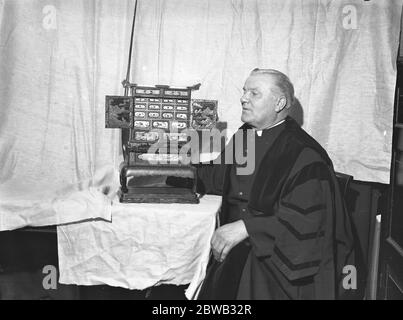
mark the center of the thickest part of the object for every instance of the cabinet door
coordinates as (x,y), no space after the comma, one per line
(391,255)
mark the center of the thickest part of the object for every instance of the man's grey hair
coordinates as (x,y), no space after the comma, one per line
(282,82)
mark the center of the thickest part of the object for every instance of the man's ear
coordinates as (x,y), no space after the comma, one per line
(281,103)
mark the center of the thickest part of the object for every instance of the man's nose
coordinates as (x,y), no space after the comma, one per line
(244,98)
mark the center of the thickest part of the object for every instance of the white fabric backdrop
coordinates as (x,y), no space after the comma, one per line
(60,58)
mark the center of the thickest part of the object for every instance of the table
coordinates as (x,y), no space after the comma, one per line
(145,245)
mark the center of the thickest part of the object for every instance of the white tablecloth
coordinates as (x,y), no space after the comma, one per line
(145,245)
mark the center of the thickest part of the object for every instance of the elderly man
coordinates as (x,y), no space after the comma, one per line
(284,233)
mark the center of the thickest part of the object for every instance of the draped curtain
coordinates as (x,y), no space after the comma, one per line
(59,59)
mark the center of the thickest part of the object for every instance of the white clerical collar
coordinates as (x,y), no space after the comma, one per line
(259,132)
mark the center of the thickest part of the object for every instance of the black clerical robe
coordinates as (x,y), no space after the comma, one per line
(299,232)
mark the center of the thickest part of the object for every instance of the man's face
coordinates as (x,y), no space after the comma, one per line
(259,101)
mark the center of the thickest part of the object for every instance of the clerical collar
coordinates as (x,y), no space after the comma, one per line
(259,132)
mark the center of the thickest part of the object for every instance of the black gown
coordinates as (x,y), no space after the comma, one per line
(300,235)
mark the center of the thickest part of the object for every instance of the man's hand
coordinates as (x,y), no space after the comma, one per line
(226,237)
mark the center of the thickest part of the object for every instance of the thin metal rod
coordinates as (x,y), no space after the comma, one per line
(131,49)
(125,133)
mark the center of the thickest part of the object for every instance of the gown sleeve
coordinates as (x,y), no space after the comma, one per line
(210,176)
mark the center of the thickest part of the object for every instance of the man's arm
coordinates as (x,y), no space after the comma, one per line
(210,178)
